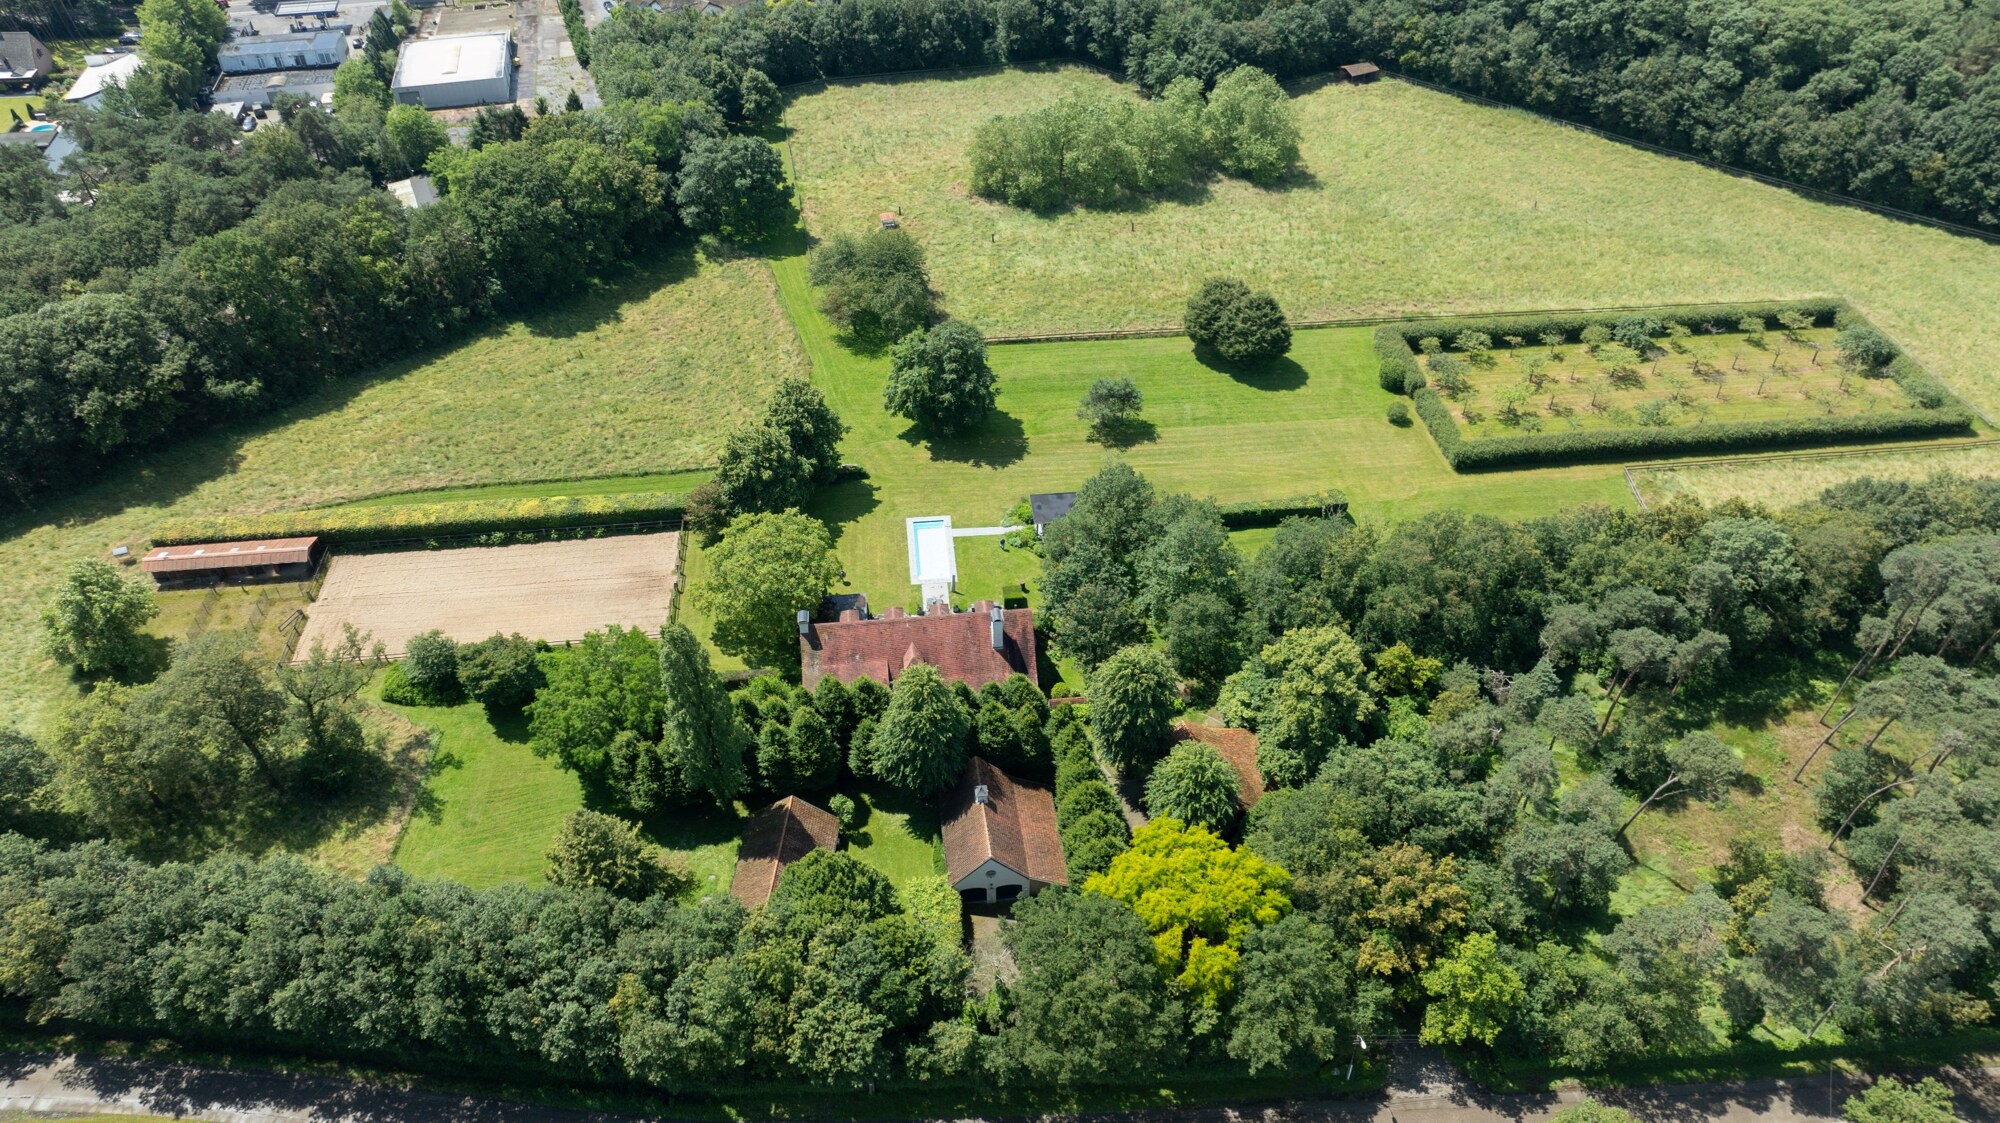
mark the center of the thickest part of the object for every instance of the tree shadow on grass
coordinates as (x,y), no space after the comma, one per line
(1125,434)
(1277,374)
(998,442)
(510,726)
(843,504)
(603,301)
(691,827)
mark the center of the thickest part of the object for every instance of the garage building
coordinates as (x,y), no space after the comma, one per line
(455,70)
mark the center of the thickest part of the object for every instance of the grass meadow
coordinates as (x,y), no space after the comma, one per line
(640,375)
(1781,480)
(1410,201)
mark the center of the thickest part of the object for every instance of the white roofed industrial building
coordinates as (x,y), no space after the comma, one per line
(304,50)
(455,70)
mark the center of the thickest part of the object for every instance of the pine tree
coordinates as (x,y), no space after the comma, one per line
(700,729)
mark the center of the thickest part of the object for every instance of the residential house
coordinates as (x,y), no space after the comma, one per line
(1000,837)
(986,644)
(24,62)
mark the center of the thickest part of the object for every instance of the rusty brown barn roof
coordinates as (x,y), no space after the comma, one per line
(776,837)
(1357,71)
(1015,826)
(959,644)
(1239,748)
(228,555)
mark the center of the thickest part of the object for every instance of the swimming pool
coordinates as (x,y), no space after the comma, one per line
(932,558)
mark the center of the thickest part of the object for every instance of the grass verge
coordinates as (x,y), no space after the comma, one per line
(1782,480)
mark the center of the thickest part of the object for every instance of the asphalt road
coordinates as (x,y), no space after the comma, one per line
(1423,1089)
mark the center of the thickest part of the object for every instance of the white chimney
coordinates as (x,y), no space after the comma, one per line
(981,795)
(999,628)
(805,622)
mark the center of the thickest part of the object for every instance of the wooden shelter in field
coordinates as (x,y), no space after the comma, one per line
(206,563)
(1360,72)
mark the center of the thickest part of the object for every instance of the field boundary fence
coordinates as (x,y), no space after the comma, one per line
(1161,332)
(505,537)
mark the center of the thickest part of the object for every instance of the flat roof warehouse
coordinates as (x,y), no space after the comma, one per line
(456,70)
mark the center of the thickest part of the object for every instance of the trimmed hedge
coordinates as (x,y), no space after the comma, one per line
(1244,516)
(1940,412)
(351,525)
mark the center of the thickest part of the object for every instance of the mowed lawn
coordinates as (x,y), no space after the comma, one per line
(490,807)
(1308,423)
(1411,201)
(645,374)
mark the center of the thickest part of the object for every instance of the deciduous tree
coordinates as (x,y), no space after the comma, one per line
(767,569)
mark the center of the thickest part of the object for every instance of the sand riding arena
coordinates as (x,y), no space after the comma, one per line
(553,591)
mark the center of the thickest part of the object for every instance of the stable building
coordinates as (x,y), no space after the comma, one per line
(775,838)
(986,644)
(207,563)
(1000,837)
(1237,748)
(455,70)
(309,50)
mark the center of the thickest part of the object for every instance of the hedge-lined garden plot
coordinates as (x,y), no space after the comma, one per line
(1511,391)
(1729,376)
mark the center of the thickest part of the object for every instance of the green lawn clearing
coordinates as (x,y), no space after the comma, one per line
(1782,480)
(1312,421)
(14,110)
(1720,377)
(896,835)
(647,373)
(1410,201)
(490,807)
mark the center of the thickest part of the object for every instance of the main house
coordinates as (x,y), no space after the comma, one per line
(1000,837)
(986,644)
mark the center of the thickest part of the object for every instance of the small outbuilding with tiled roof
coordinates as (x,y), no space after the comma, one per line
(986,644)
(775,838)
(1237,747)
(1000,837)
